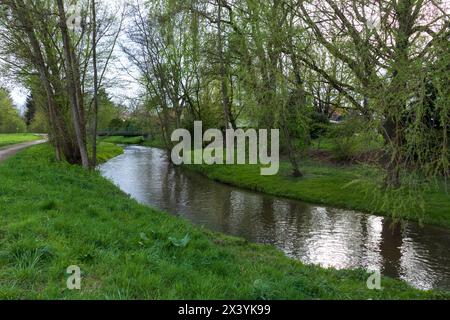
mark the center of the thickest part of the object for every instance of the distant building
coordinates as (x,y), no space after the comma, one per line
(337,117)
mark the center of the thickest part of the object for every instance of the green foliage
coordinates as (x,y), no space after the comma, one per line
(352,138)
(108,112)
(319,125)
(115,124)
(10,120)
(30,110)
(155,142)
(344,146)
(119,125)
(123,252)
(39,123)
(123,140)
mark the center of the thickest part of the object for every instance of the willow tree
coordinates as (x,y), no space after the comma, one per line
(269,71)
(388,49)
(162,48)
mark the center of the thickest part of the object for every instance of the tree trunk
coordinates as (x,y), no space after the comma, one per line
(228,116)
(94,57)
(58,130)
(72,89)
(397,101)
(296,173)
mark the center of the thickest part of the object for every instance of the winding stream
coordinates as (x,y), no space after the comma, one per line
(313,234)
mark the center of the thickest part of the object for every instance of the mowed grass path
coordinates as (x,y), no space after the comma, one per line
(55,215)
(16,138)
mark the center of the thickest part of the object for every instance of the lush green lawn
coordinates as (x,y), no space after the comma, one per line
(15,138)
(329,184)
(55,215)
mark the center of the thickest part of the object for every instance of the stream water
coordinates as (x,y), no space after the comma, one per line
(313,234)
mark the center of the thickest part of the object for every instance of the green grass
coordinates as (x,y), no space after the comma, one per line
(324,144)
(123,140)
(15,138)
(155,142)
(107,151)
(355,145)
(55,215)
(329,184)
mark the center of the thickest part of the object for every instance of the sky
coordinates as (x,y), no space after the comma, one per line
(18,94)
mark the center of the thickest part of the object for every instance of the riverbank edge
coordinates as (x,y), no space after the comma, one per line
(362,204)
(244,270)
(436,213)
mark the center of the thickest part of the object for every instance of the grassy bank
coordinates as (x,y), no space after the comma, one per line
(156,143)
(15,138)
(55,215)
(107,151)
(329,184)
(122,140)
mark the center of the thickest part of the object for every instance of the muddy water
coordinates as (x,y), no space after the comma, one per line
(313,234)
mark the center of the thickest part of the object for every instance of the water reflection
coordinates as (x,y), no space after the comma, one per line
(315,235)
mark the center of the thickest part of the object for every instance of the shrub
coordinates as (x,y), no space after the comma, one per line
(352,138)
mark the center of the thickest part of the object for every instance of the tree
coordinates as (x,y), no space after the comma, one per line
(10,120)
(36,55)
(73,85)
(30,110)
(54,62)
(387,48)
(95,98)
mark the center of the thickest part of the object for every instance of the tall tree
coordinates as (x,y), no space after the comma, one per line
(95,98)
(10,120)
(30,110)
(386,47)
(73,85)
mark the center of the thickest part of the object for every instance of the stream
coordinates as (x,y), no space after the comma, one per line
(320,235)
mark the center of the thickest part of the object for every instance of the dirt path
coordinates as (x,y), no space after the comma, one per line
(9,151)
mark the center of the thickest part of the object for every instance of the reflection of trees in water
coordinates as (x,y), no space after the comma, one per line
(390,248)
(330,237)
(246,214)
(420,259)
(166,183)
(285,224)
